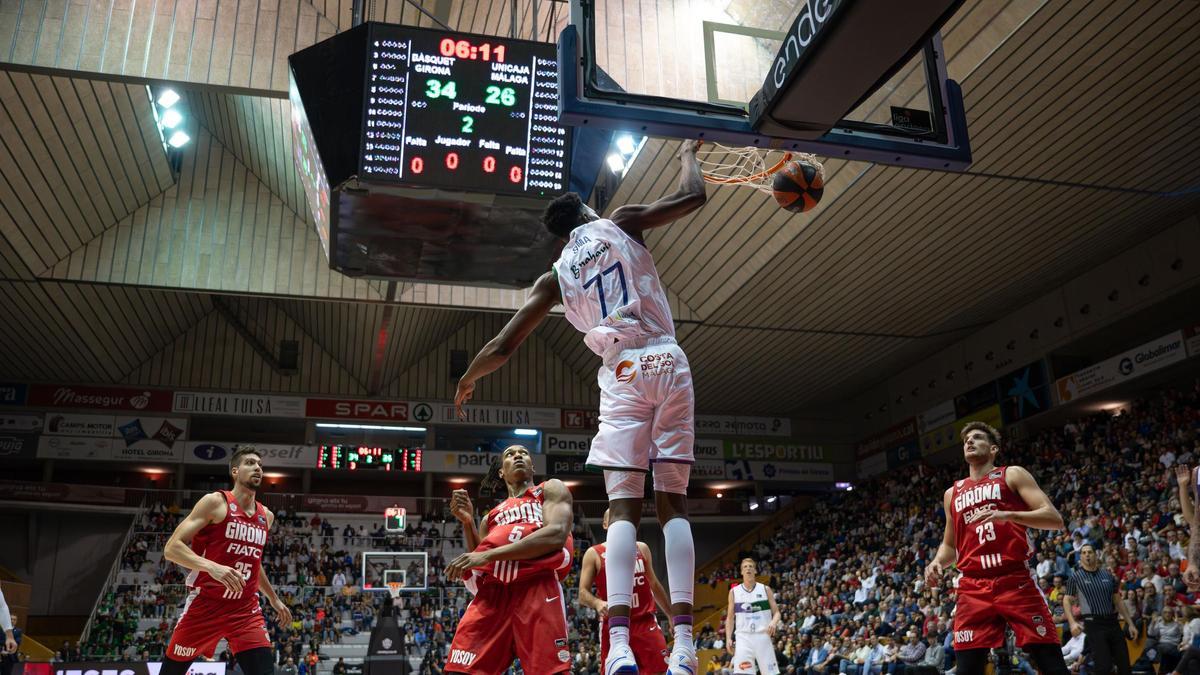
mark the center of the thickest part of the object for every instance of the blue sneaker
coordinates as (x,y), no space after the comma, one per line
(683,662)
(620,661)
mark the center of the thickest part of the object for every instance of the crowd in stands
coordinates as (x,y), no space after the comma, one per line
(848,575)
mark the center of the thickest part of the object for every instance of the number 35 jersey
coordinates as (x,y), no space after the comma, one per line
(237,542)
(994,548)
(610,287)
(512,520)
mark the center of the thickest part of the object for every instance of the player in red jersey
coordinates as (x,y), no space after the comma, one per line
(988,515)
(645,637)
(221,541)
(521,551)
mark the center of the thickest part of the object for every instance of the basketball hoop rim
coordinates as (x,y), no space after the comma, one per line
(752,178)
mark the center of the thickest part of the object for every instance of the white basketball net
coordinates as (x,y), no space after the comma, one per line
(745,167)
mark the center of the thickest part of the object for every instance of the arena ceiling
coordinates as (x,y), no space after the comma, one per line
(112,270)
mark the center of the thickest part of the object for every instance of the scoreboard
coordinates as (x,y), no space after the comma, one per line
(463,112)
(363,457)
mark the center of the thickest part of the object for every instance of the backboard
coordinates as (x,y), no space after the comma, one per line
(863,79)
(410,569)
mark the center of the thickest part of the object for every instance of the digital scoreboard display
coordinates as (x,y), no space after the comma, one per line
(463,112)
(364,457)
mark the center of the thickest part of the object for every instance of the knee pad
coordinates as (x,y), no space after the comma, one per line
(625,484)
(672,477)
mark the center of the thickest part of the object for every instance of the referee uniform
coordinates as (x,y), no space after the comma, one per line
(1093,591)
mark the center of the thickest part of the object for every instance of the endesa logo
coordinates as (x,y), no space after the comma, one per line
(625,372)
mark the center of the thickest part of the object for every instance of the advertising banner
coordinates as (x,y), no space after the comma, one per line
(274,455)
(894,436)
(939,415)
(17,446)
(12,393)
(778,451)
(98,398)
(60,492)
(580,419)
(567,444)
(1191,337)
(500,416)
(354,409)
(21,423)
(240,405)
(708,468)
(778,471)
(130,668)
(708,448)
(1024,392)
(469,462)
(1129,364)
(67,447)
(729,425)
(946,436)
(355,503)
(566,465)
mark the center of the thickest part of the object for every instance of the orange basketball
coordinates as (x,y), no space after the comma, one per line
(798,186)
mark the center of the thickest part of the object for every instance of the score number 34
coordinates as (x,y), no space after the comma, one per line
(506,96)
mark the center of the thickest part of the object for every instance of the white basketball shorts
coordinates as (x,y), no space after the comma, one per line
(754,653)
(646,407)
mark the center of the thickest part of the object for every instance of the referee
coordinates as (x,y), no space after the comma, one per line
(1099,604)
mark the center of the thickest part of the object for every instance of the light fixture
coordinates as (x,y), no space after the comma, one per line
(720,495)
(171,118)
(525,432)
(753,505)
(626,144)
(371,427)
(178,139)
(168,98)
(771,499)
(274,474)
(616,163)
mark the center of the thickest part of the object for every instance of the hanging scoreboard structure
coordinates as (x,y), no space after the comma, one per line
(429,155)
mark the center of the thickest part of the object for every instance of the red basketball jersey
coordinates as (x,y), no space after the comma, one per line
(643,598)
(237,542)
(993,548)
(512,520)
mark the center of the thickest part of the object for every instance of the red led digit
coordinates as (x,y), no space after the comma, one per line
(452,161)
(462,49)
(489,164)
(447,47)
(417,165)
(514,174)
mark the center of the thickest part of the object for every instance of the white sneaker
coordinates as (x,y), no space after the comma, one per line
(620,661)
(683,662)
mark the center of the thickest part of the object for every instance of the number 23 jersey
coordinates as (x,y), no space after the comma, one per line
(610,287)
(512,520)
(994,548)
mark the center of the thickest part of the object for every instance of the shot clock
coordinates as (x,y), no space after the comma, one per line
(463,112)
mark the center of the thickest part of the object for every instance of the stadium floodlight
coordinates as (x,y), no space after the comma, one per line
(168,98)
(171,118)
(178,139)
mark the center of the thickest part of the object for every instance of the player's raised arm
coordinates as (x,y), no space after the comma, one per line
(656,588)
(587,575)
(689,197)
(462,509)
(1041,514)
(179,551)
(544,296)
(946,552)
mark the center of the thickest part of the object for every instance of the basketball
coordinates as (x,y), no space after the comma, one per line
(799,185)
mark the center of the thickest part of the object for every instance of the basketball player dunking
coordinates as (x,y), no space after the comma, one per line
(988,515)
(517,559)
(221,541)
(645,637)
(607,280)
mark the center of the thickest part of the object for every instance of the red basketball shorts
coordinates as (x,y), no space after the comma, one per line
(647,642)
(986,605)
(524,619)
(206,620)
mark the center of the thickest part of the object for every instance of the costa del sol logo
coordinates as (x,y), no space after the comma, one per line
(626,371)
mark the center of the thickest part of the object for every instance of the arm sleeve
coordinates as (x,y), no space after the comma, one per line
(5,617)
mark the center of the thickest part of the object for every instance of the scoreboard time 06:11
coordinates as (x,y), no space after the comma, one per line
(463,112)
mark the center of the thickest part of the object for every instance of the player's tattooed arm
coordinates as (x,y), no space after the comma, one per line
(210,509)
(1041,514)
(544,295)
(947,551)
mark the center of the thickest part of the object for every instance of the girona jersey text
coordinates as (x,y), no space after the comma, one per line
(993,548)
(643,597)
(512,520)
(237,542)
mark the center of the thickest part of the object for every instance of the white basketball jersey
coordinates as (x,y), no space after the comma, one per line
(610,287)
(752,609)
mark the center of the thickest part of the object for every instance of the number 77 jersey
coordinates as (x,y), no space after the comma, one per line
(610,287)
(992,548)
